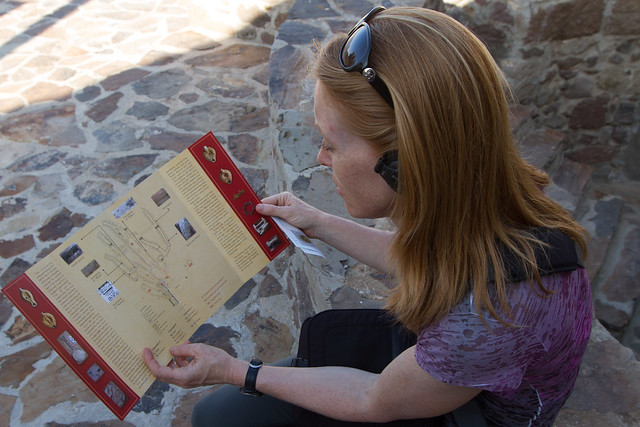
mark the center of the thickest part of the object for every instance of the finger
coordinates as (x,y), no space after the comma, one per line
(280,199)
(150,361)
(267,210)
(184,350)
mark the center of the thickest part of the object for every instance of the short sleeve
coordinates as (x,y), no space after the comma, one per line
(461,350)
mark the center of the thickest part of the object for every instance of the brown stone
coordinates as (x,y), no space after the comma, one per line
(273,340)
(251,119)
(593,154)
(60,225)
(6,406)
(270,286)
(245,147)
(44,91)
(116,81)
(236,55)
(161,139)
(21,330)
(624,19)
(16,185)
(11,207)
(103,108)
(589,114)
(53,385)
(11,248)
(18,366)
(563,21)
(52,125)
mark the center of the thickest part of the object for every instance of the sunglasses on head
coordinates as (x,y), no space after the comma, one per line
(354,54)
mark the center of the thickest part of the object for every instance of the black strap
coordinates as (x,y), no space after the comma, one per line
(560,256)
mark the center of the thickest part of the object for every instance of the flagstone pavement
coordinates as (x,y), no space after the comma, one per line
(97,94)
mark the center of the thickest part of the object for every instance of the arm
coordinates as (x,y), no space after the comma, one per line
(402,391)
(366,244)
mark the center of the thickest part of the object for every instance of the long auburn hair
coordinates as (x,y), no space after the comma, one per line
(464,189)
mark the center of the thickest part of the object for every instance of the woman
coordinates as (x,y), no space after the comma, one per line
(415,126)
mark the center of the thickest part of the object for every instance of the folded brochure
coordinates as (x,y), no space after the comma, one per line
(148,271)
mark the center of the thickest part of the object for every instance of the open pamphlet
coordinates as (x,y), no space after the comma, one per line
(148,271)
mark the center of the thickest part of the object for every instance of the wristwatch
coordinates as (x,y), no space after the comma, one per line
(250,380)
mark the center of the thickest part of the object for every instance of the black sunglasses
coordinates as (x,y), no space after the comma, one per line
(354,54)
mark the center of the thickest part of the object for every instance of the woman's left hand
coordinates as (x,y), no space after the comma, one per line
(193,365)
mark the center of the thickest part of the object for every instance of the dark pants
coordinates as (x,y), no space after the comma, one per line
(226,406)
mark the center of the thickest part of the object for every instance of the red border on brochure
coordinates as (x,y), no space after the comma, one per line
(34,314)
(240,196)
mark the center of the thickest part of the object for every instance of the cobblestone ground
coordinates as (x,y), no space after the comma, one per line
(96,94)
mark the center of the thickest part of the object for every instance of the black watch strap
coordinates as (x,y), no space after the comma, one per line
(250,380)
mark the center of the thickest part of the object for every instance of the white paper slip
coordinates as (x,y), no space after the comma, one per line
(298,238)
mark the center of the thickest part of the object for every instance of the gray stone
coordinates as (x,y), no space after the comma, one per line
(609,366)
(37,162)
(116,136)
(298,33)
(257,179)
(632,158)
(286,73)
(94,193)
(581,88)
(123,168)
(241,295)
(626,113)
(622,285)
(148,110)
(116,81)
(162,85)
(220,337)
(12,206)
(49,185)
(306,9)
(88,93)
(152,399)
(299,140)
(15,269)
(226,87)
(235,56)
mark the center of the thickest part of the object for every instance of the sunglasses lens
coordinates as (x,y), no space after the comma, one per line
(355,52)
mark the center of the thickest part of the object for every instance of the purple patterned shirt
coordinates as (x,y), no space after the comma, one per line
(527,372)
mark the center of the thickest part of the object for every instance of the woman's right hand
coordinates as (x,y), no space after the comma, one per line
(293,210)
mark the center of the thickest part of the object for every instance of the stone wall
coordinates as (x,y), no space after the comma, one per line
(575,70)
